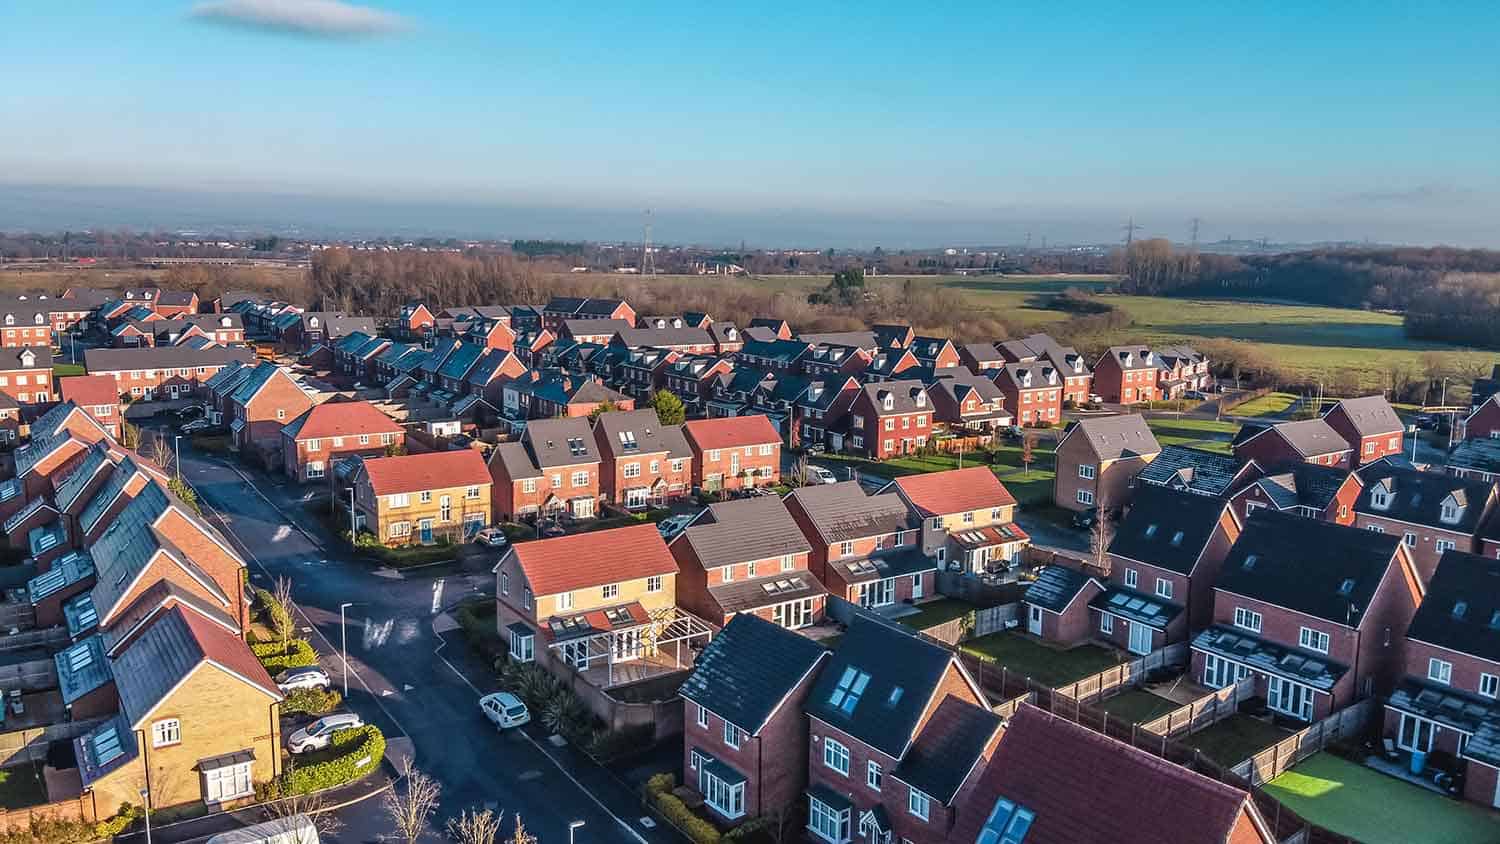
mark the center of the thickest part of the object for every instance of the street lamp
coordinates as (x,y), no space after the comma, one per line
(353,529)
(146,801)
(344,645)
(572,825)
(177,454)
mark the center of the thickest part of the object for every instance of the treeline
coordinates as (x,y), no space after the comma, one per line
(535,248)
(1461,308)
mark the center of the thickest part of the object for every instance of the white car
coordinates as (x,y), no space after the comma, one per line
(820,475)
(196,425)
(493,537)
(504,710)
(311,677)
(673,525)
(318,734)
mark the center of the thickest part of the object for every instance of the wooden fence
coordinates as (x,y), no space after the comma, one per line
(1275,760)
(1203,712)
(18,821)
(1112,681)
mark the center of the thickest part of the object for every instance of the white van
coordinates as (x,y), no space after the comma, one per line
(297,829)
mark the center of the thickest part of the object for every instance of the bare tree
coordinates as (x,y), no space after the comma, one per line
(1102,534)
(282,596)
(287,811)
(1028,447)
(521,836)
(161,453)
(474,826)
(411,809)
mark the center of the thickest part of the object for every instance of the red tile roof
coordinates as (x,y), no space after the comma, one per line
(431,470)
(955,491)
(729,432)
(228,650)
(594,559)
(1084,786)
(343,419)
(89,390)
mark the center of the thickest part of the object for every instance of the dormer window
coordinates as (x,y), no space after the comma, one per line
(1380,498)
(1450,515)
(921,399)
(10,319)
(888,403)
(37,319)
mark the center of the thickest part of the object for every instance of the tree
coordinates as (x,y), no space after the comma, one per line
(130,436)
(1102,533)
(606,406)
(669,408)
(161,453)
(410,810)
(1028,447)
(475,826)
(189,496)
(521,836)
(281,594)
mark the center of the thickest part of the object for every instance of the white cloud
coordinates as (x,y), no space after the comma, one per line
(325,18)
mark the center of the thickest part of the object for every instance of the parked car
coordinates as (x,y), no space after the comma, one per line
(1095,398)
(311,677)
(1085,519)
(673,525)
(1195,395)
(820,475)
(196,426)
(192,411)
(504,710)
(551,529)
(297,829)
(318,734)
(815,448)
(1426,422)
(493,537)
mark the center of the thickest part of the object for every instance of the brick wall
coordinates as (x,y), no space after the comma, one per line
(1422,545)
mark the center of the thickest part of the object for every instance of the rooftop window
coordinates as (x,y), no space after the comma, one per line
(850,687)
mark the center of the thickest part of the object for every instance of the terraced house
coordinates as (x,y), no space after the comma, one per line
(26,374)
(171,372)
(423,498)
(1431,512)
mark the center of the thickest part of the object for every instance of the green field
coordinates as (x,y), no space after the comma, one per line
(1356,801)
(1029,484)
(1269,404)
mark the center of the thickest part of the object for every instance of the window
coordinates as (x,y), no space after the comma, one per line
(703,717)
(557,480)
(750,569)
(228,783)
(1085,471)
(1131,578)
(787,562)
(1451,512)
(338,442)
(580,479)
(1313,640)
(632,470)
(280,413)
(725,798)
(565,600)
(1163,588)
(656,467)
(611,591)
(1085,497)
(364,439)
(851,685)
(1375,528)
(504,583)
(471,492)
(918,804)
(1489,685)
(526,597)
(873,775)
(1410,539)
(677,465)
(835,756)
(528,485)
(400,499)
(522,646)
(890,424)
(1444,545)
(826,822)
(766,450)
(968,517)
(1380,498)
(846,549)
(733,736)
(653,583)
(713,455)
(399,529)
(1106,623)
(315,469)
(425,496)
(1247,619)
(166,732)
(313,445)
(1440,671)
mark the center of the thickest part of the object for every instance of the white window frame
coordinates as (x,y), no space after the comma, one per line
(1132,577)
(1313,640)
(702,717)
(1106,623)
(1086,471)
(653,584)
(1085,497)
(166,732)
(835,751)
(1489,685)
(610,591)
(228,783)
(918,804)
(564,600)
(522,646)
(1440,671)
(733,736)
(874,776)
(1163,588)
(1247,619)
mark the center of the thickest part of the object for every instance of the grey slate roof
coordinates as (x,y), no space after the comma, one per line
(163,654)
(878,682)
(1459,710)
(516,460)
(1306,667)
(1370,415)
(1461,610)
(766,591)
(1305,484)
(1476,455)
(905,560)
(81,668)
(1417,497)
(634,337)
(1191,469)
(644,430)
(904,396)
(460,360)
(1167,528)
(107,493)
(843,511)
(162,357)
(594,327)
(11,358)
(74,484)
(560,442)
(946,749)
(1116,437)
(150,602)
(129,543)
(259,375)
(1055,588)
(743,530)
(1309,437)
(746,670)
(1314,567)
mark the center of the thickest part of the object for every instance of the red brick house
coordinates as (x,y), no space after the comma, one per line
(1370,427)
(1448,699)
(1183,368)
(553,468)
(734,452)
(1315,613)
(967,517)
(170,372)
(1431,512)
(967,403)
(27,322)
(1042,786)
(1032,391)
(1077,378)
(935,352)
(821,410)
(560,308)
(1307,441)
(747,557)
(1302,489)
(897,730)
(175,303)
(691,377)
(265,401)
(745,742)
(97,396)
(778,329)
(864,547)
(1483,422)
(889,418)
(982,359)
(1198,471)
(829,360)
(327,433)
(414,322)
(1055,606)
(645,463)
(1127,375)
(26,374)
(1098,459)
(539,395)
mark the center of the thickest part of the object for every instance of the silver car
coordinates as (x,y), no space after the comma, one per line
(311,677)
(319,734)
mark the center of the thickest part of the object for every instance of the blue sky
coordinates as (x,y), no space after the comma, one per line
(980,120)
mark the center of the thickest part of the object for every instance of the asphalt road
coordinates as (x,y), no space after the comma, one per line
(402,676)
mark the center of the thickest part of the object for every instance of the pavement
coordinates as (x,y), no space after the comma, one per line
(409,679)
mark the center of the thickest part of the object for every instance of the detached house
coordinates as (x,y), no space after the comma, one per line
(1098,460)
(1127,375)
(414,322)
(1431,512)
(1033,391)
(864,547)
(1483,422)
(1307,441)
(1315,614)
(423,498)
(732,453)
(1370,427)
(1198,471)
(553,469)
(889,418)
(747,557)
(265,401)
(645,463)
(745,739)
(328,433)
(967,517)
(968,403)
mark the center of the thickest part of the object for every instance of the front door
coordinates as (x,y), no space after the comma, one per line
(1034,622)
(1140,638)
(425,526)
(916,587)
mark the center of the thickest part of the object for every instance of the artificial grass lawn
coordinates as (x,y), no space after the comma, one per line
(21,786)
(937,612)
(1138,706)
(63,370)
(1356,801)
(1235,739)
(1049,666)
(1269,404)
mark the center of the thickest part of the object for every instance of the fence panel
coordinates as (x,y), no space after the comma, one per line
(1277,759)
(1203,712)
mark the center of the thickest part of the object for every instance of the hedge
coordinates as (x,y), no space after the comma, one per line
(276,615)
(659,794)
(298,653)
(311,701)
(362,749)
(55,831)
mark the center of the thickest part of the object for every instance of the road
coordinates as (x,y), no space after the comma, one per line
(401,677)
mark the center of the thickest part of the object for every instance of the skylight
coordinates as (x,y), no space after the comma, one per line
(1347,586)
(1150,531)
(1008,823)
(1460,608)
(1177,539)
(107,745)
(895,697)
(847,693)
(1249,564)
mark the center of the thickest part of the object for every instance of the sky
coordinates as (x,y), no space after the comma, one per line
(776,123)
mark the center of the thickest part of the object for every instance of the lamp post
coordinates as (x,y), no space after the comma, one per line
(353,529)
(573,825)
(146,801)
(344,644)
(177,455)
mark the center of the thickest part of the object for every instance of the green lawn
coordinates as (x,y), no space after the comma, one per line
(62,370)
(1269,404)
(1138,706)
(1028,484)
(1207,434)
(1353,800)
(937,612)
(1049,666)
(1235,739)
(21,786)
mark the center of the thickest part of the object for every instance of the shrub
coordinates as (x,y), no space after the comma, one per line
(659,794)
(298,653)
(275,614)
(56,831)
(360,752)
(609,745)
(311,701)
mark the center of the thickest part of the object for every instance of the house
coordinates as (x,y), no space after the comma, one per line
(1041,786)
(265,401)
(1315,614)
(26,374)
(642,371)
(733,453)
(822,408)
(414,322)
(692,341)
(58,441)
(223,329)
(1164,560)
(745,741)
(886,364)
(967,403)
(1032,391)
(307,330)
(1127,375)
(169,372)
(1181,369)
(864,547)
(779,329)
(935,352)
(560,308)
(1304,489)
(26,322)
(97,396)
(486,379)
(553,468)
(1483,422)
(354,355)
(747,557)
(550,394)
(773,355)
(1483,388)
(897,728)
(597,331)
(1099,458)
(1370,427)
(726,336)
(333,431)
(10,419)
(967,517)
(981,359)
(827,360)
(436,496)
(1446,699)
(691,377)
(1198,471)
(174,303)
(1309,440)
(645,463)
(1477,458)
(1431,511)
(1077,377)
(889,418)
